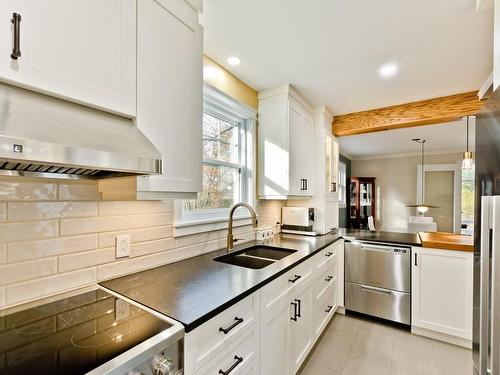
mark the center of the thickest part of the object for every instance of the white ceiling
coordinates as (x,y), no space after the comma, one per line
(331,50)
(442,138)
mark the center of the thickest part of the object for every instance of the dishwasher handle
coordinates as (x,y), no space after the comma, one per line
(375,289)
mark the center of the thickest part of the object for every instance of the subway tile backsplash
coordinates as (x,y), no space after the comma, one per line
(57,236)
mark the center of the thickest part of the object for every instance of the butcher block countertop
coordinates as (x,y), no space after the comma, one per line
(447,241)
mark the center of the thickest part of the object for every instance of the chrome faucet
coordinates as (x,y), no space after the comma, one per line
(230,239)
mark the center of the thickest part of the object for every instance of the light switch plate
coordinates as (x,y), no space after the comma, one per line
(122,246)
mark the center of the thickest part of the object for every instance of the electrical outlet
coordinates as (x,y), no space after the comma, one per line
(260,235)
(122,249)
(122,309)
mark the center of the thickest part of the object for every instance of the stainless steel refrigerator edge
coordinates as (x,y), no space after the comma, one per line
(486,336)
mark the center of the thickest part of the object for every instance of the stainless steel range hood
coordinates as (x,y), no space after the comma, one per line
(42,136)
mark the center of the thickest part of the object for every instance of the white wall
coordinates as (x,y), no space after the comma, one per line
(396,184)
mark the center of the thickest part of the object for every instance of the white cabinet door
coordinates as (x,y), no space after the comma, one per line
(275,338)
(300,149)
(169,93)
(442,282)
(286,145)
(297,182)
(301,330)
(307,152)
(81,50)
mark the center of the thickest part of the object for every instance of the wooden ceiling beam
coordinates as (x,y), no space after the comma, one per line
(424,112)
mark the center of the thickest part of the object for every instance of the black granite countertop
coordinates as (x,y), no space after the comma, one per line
(196,289)
(411,239)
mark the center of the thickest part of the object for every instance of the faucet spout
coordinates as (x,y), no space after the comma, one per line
(230,237)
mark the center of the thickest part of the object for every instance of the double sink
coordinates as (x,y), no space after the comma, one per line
(255,257)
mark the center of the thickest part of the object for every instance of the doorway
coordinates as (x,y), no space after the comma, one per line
(442,188)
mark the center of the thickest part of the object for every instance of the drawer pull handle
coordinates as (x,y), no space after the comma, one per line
(226,330)
(16,21)
(328,309)
(329,278)
(294,317)
(295,278)
(299,308)
(329,254)
(234,365)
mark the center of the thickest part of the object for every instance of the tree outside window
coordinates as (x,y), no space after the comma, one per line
(222,164)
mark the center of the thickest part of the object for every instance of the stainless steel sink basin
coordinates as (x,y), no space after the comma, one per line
(255,257)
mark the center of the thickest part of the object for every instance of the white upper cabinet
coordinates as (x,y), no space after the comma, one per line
(170,94)
(80,50)
(169,101)
(285,139)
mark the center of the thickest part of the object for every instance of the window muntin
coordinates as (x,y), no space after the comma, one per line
(224,163)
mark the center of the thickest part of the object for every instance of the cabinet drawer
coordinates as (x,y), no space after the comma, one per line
(284,284)
(325,281)
(324,310)
(326,257)
(214,336)
(241,356)
(383,303)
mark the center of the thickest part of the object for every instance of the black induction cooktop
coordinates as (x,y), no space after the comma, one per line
(73,335)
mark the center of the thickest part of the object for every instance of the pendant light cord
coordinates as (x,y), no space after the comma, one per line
(421,141)
(423,176)
(467,127)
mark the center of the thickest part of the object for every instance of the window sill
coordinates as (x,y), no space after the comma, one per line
(186,228)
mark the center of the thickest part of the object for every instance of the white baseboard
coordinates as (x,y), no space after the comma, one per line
(459,341)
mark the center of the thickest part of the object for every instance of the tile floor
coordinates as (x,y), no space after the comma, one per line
(353,346)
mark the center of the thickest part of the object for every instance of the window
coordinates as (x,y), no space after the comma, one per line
(467,222)
(224,166)
(342,184)
(228,136)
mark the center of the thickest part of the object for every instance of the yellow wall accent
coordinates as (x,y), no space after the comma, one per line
(220,78)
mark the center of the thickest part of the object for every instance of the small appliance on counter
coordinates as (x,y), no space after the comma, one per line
(90,333)
(298,220)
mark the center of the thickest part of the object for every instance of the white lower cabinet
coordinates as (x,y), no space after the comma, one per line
(275,338)
(239,358)
(301,327)
(212,337)
(272,331)
(442,283)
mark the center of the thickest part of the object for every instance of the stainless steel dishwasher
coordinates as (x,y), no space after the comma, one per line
(377,280)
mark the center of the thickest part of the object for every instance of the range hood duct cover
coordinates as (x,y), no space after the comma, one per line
(43,136)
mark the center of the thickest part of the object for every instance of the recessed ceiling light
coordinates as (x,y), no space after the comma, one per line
(388,70)
(233,60)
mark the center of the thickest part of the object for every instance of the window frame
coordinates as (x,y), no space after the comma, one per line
(218,104)
(342,169)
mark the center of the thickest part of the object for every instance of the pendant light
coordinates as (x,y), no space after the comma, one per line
(421,206)
(467,162)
